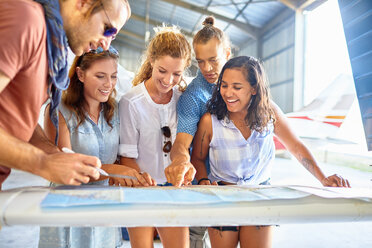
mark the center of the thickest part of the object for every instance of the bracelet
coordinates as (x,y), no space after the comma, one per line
(204,179)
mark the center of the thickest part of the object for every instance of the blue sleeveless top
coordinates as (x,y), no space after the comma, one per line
(93,139)
(98,140)
(237,160)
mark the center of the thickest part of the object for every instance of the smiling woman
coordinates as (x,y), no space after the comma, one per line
(93,78)
(237,135)
(89,124)
(148,122)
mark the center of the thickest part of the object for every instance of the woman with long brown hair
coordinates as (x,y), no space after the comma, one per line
(89,124)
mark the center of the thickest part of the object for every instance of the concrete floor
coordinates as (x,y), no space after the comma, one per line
(311,235)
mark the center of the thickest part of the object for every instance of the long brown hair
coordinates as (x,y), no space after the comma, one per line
(167,41)
(74,98)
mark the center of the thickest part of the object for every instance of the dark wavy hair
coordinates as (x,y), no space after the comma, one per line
(259,111)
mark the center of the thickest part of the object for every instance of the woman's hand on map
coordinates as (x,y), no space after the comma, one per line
(335,181)
(206,181)
(139,179)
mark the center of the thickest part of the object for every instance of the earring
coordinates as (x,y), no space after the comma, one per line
(182,85)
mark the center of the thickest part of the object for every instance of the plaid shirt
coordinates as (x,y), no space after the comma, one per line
(234,159)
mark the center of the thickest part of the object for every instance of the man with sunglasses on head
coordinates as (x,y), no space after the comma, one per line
(34,36)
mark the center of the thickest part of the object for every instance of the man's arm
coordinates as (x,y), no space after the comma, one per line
(58,167)
(40,140)
(4,81)
(180,149)
(180,171)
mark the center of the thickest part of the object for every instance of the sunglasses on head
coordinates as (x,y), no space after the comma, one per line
(110,50)
(99,50)
(110,31)
(167,133)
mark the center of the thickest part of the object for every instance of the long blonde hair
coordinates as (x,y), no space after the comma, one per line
(168,41)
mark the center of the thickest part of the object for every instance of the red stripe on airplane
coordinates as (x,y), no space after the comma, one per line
(337,124)
(278,145)
(300,117)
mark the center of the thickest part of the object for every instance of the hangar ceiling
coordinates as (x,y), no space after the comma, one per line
(242,20)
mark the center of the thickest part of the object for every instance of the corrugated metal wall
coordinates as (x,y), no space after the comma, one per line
(249,49)
(130,57)
(277,54)
(357,20)
(278,58)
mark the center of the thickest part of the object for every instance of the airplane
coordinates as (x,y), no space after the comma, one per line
(319,122)
(331,127)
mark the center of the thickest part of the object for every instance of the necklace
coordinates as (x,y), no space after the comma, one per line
(93,117)
(243,127)
(240,123)
(238,120)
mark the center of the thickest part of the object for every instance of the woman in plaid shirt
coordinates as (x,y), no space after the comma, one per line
(238,133)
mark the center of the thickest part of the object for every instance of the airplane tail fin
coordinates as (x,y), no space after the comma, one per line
(320,120)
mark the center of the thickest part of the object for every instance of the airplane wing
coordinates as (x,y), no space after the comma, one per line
(188,206)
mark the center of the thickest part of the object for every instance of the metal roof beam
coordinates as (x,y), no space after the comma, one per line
(143,19)
(289,4)
(129,41)
(302,5)
(156,23)
(249,29)
(124,32)
(312,4)
(240,12)
(306,3)
(277,20)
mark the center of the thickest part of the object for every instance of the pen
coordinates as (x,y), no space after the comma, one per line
(101,171)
